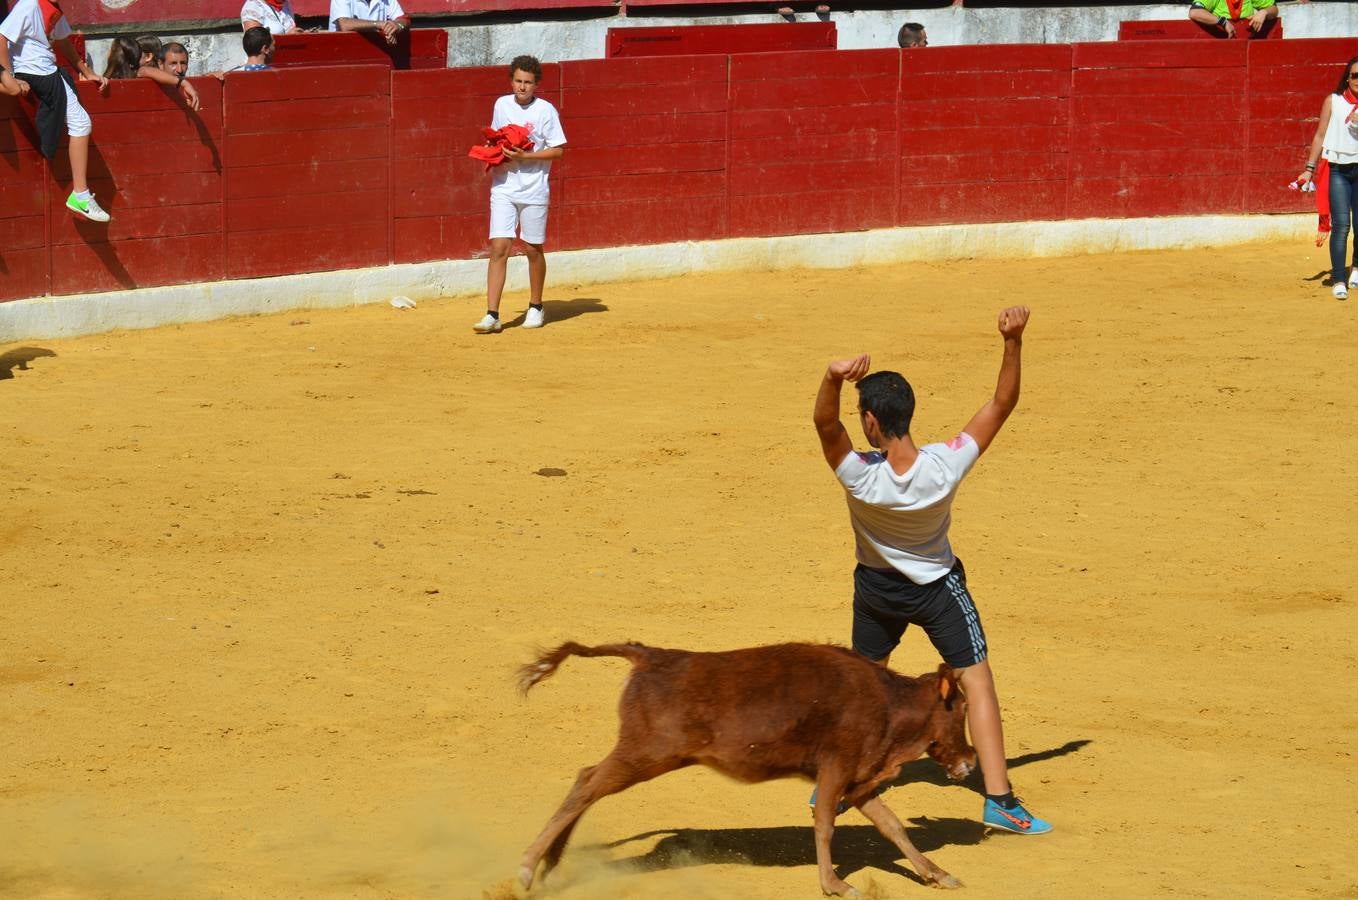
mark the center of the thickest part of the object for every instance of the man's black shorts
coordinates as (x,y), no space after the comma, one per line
(885,602)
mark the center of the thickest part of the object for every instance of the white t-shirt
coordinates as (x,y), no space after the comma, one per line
(368,10)
(261,12)
(901,521)
(525,181)
(29,48)
(1341,141)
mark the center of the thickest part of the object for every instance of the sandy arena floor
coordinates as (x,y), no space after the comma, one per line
(267,580)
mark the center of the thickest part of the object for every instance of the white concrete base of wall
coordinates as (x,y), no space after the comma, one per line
(70,316)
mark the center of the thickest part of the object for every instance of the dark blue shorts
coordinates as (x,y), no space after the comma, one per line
(885,603)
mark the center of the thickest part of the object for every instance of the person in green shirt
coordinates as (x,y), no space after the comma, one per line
(1221,12)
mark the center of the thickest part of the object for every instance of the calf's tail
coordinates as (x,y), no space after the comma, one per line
(549,660)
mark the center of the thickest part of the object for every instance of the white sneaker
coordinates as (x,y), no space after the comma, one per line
(534,317)
(488,325)
(1341,291)
(90,209)
(1353,277)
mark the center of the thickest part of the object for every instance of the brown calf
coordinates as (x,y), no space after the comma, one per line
(812,710)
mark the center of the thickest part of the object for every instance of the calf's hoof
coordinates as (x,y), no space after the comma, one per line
(843,889)
(525,877)
(944,880)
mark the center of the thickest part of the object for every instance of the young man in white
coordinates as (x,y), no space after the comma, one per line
(27,36)
(385,16)
(900,502)
(519,192)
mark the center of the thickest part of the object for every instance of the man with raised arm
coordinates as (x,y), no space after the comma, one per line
(900,500)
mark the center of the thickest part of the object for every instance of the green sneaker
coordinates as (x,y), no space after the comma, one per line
(90,208)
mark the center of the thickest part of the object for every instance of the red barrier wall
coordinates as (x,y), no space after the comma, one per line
(311,169)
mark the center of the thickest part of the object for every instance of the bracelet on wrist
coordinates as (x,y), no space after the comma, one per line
(1221,21)
(1310,167)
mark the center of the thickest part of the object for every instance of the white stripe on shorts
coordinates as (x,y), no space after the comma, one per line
(78,122)
(978,649)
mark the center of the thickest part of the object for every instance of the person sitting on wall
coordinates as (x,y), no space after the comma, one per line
(259,47)
(1219,13)
(8,85)
(385,16)
(275,15)
(28,36)
(912,36)
(125,61)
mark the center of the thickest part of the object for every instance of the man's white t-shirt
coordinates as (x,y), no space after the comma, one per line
(368,10)
(278,22)
(525,181)
(901,521)
(29,48)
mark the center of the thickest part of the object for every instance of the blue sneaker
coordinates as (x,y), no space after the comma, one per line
(839,810)
(1017,820)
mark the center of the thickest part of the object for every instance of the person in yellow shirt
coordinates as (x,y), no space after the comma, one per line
(1221,13)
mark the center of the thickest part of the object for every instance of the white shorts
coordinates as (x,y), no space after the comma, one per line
(529,220)
(78,122)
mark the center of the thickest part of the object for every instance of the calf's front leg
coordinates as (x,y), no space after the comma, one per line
(880,814)
(829,790)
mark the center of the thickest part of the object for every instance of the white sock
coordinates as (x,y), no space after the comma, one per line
(83,195)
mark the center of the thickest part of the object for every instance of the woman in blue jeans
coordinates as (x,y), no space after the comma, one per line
(1336,142)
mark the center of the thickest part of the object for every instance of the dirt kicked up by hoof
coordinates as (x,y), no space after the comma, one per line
(504,890)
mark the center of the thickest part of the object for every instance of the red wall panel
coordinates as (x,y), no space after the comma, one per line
(156,167)
(23,193)
(315,169)
(647,153)
(278,124)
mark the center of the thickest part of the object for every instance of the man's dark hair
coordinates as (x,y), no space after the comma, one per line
(255,40)
(527,64)
(889,398)
(910,34)
(174,47)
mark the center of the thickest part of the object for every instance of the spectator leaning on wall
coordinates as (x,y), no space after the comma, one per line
(27,36)
(912,36)
(385,16)
(275,15)
(1220,13)
(125,60)
(175,59)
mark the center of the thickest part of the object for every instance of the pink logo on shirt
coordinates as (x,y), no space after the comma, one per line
(958,442)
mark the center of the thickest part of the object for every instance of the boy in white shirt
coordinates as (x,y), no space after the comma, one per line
(519,192)
(900,502)
(27,36)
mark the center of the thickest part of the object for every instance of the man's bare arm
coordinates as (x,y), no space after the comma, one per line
(834,438)
(990,418)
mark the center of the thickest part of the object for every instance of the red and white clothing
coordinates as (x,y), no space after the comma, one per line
(1341,137)
(901,521)
(30,29)
(525,181)
(278,19)
(30,38)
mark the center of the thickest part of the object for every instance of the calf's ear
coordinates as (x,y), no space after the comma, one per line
(947,683)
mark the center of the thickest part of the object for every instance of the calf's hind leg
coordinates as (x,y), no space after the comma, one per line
(616,772)
(880,814)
